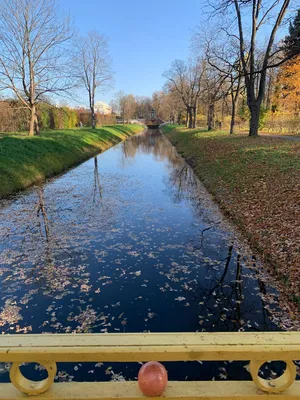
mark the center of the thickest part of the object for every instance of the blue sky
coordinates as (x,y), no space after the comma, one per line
(144,37)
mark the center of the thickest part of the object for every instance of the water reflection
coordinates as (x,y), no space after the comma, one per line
(151,142)
(183,178)
(43,222)
(97,190)
(223,301)
(129,241)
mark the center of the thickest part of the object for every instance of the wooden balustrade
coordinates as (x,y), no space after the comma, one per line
(47,350)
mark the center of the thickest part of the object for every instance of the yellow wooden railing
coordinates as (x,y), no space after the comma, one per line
(47,350)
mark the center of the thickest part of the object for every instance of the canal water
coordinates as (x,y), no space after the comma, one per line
(129,241)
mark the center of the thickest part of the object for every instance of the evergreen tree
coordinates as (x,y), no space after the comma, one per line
(292,41)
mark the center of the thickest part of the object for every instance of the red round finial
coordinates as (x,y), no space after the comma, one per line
(153,379)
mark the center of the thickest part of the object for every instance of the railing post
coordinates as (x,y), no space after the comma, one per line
(29,387)
(277,385)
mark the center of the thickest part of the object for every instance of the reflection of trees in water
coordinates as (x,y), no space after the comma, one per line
(41,211)
(44,228)
(224,301)
(183,179)
(151,142)
(223,293)
(97,189)
(50,275)
(225,289)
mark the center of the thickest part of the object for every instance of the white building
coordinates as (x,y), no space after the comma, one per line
(102,108)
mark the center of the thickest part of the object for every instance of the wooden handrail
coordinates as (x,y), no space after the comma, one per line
(47,350)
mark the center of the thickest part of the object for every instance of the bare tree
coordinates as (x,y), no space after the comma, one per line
(130,107)
(120,101)
(186,80)
(223,55)
(33,43)
(157,101)
(144,107)
(170,105)
(92,63)
(113,107)
(127,106)
(213,91)
(258,14)
(234,92)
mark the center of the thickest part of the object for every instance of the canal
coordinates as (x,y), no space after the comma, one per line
(129,241)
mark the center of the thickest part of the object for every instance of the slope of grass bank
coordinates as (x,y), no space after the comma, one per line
(257,182)
(26,160)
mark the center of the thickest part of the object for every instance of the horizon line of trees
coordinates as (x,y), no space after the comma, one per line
(15,118)
(124,108)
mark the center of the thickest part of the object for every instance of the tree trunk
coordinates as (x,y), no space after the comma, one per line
(234,102)
(254,119)
(211,117)
(195,116)
(190,112)
(232,122)
(179,118)
(93,118)
(34,124)
(187,119)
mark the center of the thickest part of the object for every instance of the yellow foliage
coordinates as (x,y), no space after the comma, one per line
(287,94)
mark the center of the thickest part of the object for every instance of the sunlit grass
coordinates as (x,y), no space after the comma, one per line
(25,160)
(217,155)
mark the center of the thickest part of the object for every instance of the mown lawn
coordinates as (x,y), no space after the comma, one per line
(26,160)
(257,183)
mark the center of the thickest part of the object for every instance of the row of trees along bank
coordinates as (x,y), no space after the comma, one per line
(42,59)
(15,118)
(237,65)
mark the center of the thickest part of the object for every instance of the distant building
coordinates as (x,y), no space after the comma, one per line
(102,108)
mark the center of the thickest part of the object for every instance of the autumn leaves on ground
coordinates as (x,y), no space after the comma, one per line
(257,183)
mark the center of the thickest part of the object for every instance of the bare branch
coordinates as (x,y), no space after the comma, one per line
(92,63)
(33,59)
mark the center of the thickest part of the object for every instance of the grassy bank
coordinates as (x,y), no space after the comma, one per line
(257,183)
(26,160)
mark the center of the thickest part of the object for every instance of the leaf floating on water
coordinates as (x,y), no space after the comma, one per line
(108,370)
(136,273)
(10,314)
(180,298)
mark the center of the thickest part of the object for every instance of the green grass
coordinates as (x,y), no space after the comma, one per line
(233,159)
(27,160)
